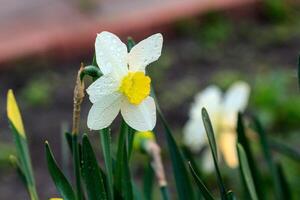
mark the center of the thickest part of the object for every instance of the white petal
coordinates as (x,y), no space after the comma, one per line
(207,161)
(103,86)
(210,98)
(111,54)
(145,52)
(227,143)
(236,97)
(104,111)
(140,117)
(194,134)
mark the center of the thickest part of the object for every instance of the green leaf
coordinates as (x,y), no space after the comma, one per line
(246,173)
(212,143)
(243,140)
(164,193)
(77,164)
(130,138)
(122,177)
(24,161)
(284,149)
(68,137)
(148,181)
(189,157)
(283,182)
(230,195)
(269,159)
(204,191)
(182,180)
(59,179)
(105,140)
(91,172)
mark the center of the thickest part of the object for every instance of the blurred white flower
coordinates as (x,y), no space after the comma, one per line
(124,86)
(223,111)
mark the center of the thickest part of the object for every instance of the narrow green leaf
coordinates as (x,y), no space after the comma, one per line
(130,138)
(283,183)
(212,143)
(284,149)
(204,191)
(269,159)
(122,177)
(91,172)
(77,164)
(230,195)
(68,137)
(105,140)
(24,161)
(137,194)
(148,181)
(183,183)
(164,193)
(182,180)
(189,156)
(59,179)
(243,140)
(245,171)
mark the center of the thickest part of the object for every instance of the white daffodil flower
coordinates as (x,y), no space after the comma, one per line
(124,86)
(223,111)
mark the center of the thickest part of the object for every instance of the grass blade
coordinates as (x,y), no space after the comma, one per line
(91,173)
(243,140)
(246,173)
(24,161)
(76,163)
(182,180)
(148,182)
(122,177)
(284,184)
(284,149)
(230,195)
(204,191)
(269,159)
(105,139)
(59,179)
(212,143)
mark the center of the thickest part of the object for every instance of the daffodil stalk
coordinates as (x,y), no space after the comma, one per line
(23,156)
(77,100)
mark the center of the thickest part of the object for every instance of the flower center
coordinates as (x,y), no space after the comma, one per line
(136,87)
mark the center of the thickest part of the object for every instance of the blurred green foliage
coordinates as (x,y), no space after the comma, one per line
(5,151)
(275,10)
(37,92)
(212,30)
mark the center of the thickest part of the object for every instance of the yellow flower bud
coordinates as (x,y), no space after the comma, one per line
(13,113)
(140,137)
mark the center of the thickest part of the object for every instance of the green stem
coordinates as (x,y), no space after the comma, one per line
(105,141)
(164,193)
(76,163)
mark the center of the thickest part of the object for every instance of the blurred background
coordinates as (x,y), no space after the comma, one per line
(42,44)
